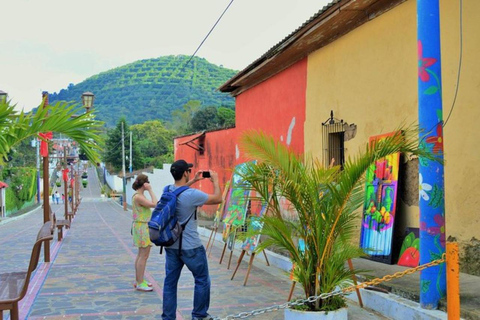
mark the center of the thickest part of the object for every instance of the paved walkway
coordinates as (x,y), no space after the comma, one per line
(91,273)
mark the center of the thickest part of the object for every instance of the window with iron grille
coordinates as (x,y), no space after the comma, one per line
(201,145)
(334,134)
(333,144)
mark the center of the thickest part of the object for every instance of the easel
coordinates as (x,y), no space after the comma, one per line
(250,263)
(253,239)
(218,216)
(354,278)
(230,239)
(235,213)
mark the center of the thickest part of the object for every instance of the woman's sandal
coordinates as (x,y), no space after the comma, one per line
(148,284)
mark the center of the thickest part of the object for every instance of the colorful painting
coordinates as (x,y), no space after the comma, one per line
(237,200)
(221,206)
(380,206)
(231,239)
(226,231)
(410,252)
(254,222)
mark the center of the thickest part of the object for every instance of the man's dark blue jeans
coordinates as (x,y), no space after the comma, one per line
(196,262)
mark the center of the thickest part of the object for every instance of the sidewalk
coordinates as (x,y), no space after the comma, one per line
(91,273)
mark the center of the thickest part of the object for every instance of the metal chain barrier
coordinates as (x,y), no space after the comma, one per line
(344,291)
(396,275)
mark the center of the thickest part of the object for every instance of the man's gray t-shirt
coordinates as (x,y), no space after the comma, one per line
(187,203)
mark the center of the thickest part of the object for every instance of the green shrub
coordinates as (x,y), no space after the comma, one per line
(22,186)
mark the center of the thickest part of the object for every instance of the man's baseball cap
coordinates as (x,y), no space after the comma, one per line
(180,166)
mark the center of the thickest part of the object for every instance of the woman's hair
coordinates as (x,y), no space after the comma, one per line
(139,182)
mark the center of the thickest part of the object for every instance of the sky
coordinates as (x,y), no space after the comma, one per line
(46,45)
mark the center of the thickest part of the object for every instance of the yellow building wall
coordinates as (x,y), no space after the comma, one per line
(369,77)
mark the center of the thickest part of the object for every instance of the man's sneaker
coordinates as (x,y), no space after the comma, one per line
(143,286)
(208,317)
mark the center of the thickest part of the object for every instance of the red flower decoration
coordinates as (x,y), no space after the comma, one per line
(436,140)
(423,64)
(44,145)
(65,174)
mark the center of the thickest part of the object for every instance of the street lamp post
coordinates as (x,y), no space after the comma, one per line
(65,181)
(3,96)
(123,172)
(46,198)
(87,100)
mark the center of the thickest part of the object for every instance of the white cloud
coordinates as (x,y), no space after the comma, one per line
(45,45)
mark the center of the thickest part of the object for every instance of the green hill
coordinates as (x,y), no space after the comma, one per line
(151,89)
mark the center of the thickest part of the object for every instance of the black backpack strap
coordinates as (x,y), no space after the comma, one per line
(183,225)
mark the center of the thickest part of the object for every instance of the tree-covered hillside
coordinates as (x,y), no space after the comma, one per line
(151,89)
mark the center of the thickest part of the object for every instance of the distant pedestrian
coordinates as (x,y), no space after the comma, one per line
(63,198)
(141,238)
(53,197)
(57,197)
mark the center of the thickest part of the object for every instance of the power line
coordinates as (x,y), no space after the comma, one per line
(218,20)
(198,48)
(459,65)
(458,76)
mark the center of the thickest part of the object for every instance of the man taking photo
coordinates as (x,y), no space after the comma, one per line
(192,254)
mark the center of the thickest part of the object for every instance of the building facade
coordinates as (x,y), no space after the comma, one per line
(356,62)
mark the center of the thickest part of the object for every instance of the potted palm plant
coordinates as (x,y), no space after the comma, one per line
(320,236)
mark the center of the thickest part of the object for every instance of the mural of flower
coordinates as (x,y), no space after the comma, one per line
(437,140)
(423,188)
(424,63)
(439,229)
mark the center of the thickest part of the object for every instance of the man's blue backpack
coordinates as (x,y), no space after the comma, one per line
(164,227)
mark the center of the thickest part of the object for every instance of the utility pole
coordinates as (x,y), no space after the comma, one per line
(130,151)
(38,168)
(65,180)
(123,171)
(46,196)
(430,121)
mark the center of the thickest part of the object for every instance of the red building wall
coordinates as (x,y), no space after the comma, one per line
(219,155)
(275,106)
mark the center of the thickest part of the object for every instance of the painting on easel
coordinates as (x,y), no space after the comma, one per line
(218,217)
(254,223)
(256,211)
(379,208)
(235,209)
(237,199)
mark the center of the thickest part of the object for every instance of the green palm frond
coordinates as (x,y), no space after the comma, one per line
(326,201)
(61,118)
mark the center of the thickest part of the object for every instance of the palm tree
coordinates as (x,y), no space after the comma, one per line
(326,202)
(61,117)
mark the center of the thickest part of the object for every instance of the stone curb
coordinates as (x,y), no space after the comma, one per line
(21,216)
(389,305)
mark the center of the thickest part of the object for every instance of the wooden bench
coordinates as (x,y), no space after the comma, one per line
(70,216)
(60,224)
(14,285)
